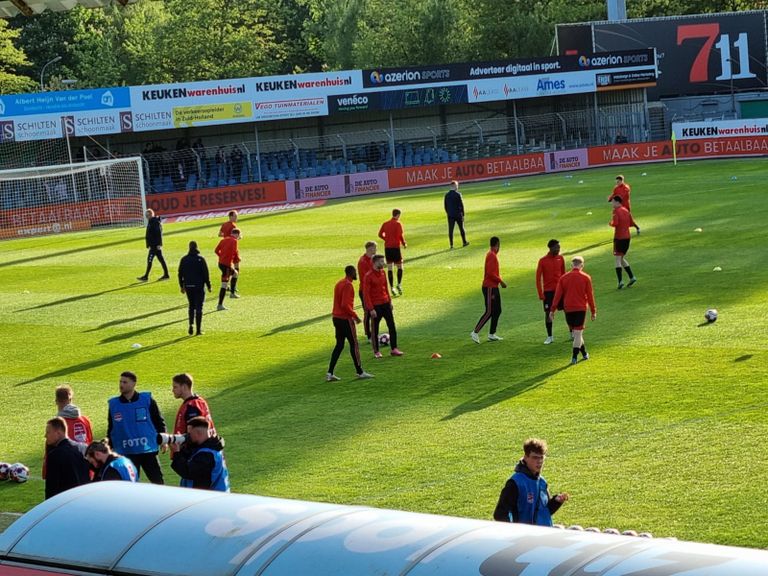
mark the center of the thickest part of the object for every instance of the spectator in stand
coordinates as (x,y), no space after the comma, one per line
(220,166)
(621,138)
(202,159)
(236,164)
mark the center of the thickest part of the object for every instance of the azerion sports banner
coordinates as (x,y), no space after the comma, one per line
(340,186)
(210,199)
(689,149)
(720,128)
(484,169)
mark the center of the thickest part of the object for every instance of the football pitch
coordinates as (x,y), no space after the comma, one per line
(662,430)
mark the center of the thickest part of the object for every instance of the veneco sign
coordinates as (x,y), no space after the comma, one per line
(720,128)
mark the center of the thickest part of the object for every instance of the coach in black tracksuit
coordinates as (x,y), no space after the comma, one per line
(154,240)
(193,280)
(454,209)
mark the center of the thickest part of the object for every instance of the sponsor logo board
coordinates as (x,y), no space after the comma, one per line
(293,108)
(205,114)
(215,198)
(566,160)
(720,128)
(339,186)
(57,103)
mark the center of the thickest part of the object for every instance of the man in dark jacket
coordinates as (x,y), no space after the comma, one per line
(200,460)
(154,240)
(66,465)
(454,209)
(193,280)
(525,498)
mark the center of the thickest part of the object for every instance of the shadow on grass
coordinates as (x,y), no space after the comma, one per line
(299,324)
(112,323)
(147,329)
(97,362)
(585,248)
(743,358)
(487,399)
(80,297)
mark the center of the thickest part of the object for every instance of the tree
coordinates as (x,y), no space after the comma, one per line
(11,59)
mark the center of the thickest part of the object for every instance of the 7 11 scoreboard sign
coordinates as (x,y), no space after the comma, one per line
(704,54)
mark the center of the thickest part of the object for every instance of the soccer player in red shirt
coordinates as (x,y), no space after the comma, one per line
(548,272)
(229,257)
(192,405)
(224,232)
(344,320)
(491,294)
(621,221)
(365,265)
(379,305)
(392,234)
(573,295)
(621,189)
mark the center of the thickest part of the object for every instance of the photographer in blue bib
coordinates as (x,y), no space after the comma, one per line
(133,425)
(198,458)
(525,497)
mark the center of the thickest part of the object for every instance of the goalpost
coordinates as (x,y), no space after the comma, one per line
(55,199)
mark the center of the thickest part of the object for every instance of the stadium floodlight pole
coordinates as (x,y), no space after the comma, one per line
(42,72)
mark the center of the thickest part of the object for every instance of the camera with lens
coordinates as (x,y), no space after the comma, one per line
(176,439)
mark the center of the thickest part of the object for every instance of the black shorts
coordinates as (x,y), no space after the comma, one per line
(620,247)
(576,319)
(226,272)
(393,255)
(548,297)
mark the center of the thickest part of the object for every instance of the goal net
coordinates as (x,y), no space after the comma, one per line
(54,199)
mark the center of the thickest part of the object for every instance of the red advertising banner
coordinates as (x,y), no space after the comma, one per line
(481,169)
(688,149)
(75,216)
(216,198)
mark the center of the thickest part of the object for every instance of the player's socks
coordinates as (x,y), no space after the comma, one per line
(399,276)
(583,351)
(629,272)
(549,328)
(222,293)
(391,279)
(575,356)
(233,284)
(190,330)
(618,273)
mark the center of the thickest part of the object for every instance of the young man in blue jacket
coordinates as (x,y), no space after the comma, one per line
(525,498)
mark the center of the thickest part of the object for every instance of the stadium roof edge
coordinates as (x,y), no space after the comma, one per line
(11,8)
(657,18)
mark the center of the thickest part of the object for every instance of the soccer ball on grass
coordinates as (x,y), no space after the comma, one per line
(710,315)
(383,339)
(19,473)
(5,470)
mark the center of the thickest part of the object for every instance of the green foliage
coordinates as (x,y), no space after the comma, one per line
(177,40)
(662,429)
(11,60)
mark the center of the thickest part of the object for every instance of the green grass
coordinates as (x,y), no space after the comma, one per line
(662,430)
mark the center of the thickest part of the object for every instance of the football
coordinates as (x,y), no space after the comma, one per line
(5,469)
(383,339)
(710,315)
(19,473)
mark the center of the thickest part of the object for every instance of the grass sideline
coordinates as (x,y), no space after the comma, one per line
(661,430)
